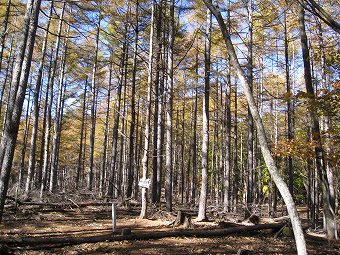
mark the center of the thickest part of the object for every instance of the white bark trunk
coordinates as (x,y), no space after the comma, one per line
(281,185)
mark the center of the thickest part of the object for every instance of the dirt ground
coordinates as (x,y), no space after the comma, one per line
(41,221)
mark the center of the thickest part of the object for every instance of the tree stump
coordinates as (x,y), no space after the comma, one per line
(182,219)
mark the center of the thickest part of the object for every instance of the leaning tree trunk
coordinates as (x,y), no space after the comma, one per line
(282,186)
(4,32)
(328,199)
(18,89)
(205,140)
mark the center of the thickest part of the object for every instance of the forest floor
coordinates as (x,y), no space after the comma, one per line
(27,230)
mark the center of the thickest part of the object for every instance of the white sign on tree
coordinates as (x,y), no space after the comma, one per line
(144,183)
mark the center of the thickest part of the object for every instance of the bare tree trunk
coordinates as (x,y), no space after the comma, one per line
(205,140)
(160,132)
(57,122)
(156,103)
(9,69)
(18,87)
(328,199)
(4,33)
(24,143)
(143,213)
(45,140)
(296,224)
(169,108)
(116,120)
(182,152)
(93,106)
(49,115)
(80,164)
(131,161)
(194,139)
(235,169)
(33,145)
(290,127)
(227,167)
(122,158)
(250,140)
(106,134)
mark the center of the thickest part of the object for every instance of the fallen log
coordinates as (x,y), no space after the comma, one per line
(323,240)
(72,240)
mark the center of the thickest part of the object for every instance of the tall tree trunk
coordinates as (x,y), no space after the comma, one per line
(194,138)
(156,103)
(131,162)
(24,143)
(116,120)
(33,145)
(93,106)
(143,213)
(169,106)
(9,69)
(205,140)
(18,89)
(57,120)
(250,140)
(289,111)
(4,33)
(49,107)
(296,224)
(328,199)
(182,152)
(160,132)
(235,169)
(106,134)
(227,167)
(80,163)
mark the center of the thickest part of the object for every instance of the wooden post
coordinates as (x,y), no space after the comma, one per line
(114,213)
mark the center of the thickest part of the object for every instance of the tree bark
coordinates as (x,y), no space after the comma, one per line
(116,120)
(169,108)
(250,139)
(106,134)
(57,121)
(80,163)
(205,140)
(18,89)
(93,106)
(131,161)
(328,199)
(296,224)
(290,129)
(143,213)
(33,144)
(4,34)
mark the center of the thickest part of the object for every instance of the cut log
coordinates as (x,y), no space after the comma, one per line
(71,240)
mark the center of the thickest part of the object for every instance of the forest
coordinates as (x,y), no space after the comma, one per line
(188,123)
